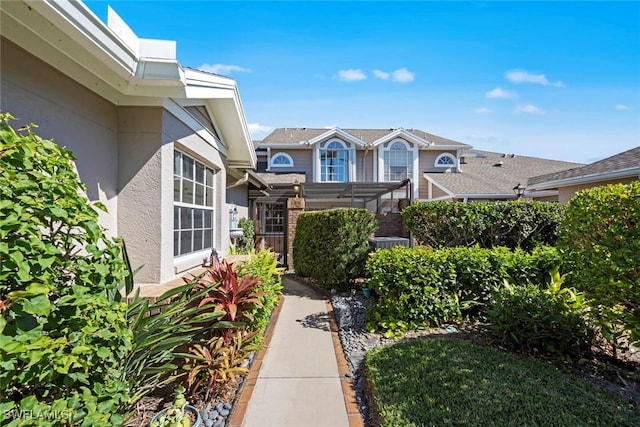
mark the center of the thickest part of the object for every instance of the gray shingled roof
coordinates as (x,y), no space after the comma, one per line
(480,175)
(295,135)
(625,160)
(281,178)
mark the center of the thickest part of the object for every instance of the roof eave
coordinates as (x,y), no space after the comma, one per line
(587,179)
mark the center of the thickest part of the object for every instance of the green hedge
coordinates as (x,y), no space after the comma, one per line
(420,287)
(600,241)
(518,224)
(331,246)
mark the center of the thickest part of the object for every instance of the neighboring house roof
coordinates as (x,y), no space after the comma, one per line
(493,175)
(302,136)
(621,165)
(281,178)
(126,70)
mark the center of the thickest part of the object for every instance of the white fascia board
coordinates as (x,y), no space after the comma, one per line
(404,134)
(86,29)
(447,147)
(587,179)
(337,133)
(281,146)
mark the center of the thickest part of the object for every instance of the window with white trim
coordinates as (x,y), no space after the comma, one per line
(281,160)
(445,160)
(193,205)
(398,162)
(334,162)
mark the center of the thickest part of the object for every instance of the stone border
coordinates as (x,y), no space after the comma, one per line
(248,384)
(348,392)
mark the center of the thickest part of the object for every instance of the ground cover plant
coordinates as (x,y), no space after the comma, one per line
(443,381)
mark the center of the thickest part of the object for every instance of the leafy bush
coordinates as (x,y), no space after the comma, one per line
(245,244)
(63,332)
(516,224)
(419,287)
(264,265)
(331,246)
(600,241)
(551,320)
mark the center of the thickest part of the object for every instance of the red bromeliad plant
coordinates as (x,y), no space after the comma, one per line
(226,292)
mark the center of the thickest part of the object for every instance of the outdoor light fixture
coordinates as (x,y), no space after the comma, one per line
(296,188)
(519,190)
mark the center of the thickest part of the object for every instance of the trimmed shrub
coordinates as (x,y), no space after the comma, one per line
(517,224)
(420,287)
(63,332)
(246,243)
(331,246)
(600,242)
(548,320)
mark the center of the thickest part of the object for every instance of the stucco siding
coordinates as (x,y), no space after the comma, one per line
(68,113)
(141,216)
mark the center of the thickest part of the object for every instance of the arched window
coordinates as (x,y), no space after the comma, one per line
(334,162)
(281,160)
(398,162)
(445,160)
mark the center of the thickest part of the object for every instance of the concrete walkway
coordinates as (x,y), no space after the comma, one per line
(299,384)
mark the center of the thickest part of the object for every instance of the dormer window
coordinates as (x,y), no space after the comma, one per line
(281,160)
(445,160)
(334,162)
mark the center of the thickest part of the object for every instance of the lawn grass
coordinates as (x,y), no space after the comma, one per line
(442,381)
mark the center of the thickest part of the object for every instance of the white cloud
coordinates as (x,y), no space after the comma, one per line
(351,75)
(402,75)
(500,93)
(382,75)
(224,69)
(529,109)
(256,129)
(622,107)
(520,76)
(482,110)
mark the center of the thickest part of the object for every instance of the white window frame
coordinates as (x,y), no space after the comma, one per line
(286,156)
(200,205)
(348,167)
(443,156)
(408,151)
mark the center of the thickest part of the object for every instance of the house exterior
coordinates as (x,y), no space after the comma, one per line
(620,168)
(165,148)
(381,170)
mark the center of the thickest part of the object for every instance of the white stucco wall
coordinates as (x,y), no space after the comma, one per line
(68,113)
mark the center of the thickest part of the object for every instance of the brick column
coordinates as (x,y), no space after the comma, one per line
(295,207)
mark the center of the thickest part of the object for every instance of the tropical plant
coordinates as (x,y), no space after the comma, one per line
(245,244)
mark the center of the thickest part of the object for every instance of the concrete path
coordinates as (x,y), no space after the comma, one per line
(298,384)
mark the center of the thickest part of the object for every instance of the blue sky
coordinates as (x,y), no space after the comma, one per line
(558,80)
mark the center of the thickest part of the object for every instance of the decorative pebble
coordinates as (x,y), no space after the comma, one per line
(208,423)
(218,423)
(213,415)
(227,406)
(219,406)
(224,412)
